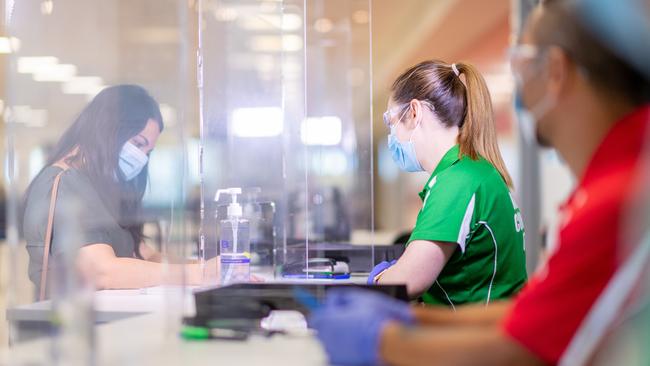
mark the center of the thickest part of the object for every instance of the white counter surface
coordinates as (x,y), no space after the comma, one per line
(148,340)
(140,327)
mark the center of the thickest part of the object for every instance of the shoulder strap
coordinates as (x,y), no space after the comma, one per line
(48,232)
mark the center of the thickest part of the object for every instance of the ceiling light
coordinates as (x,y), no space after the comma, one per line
(9,45)
(56,72)
(31,65)
(5,45)
(291,22)
(257,122)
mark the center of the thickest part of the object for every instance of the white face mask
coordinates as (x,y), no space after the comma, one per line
(132,160)
(529,116)
(403,153)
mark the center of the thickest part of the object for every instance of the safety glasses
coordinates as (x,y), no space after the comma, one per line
(521,55)
(390,113)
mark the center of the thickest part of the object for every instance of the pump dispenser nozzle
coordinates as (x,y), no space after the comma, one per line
(234,208)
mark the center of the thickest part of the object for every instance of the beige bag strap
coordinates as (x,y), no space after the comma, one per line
(49,230)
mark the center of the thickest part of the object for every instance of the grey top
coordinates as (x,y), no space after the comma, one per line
(80,219)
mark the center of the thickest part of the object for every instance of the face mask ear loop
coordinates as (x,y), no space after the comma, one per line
(402,116)
(541,108)
(413,132)
(393,127)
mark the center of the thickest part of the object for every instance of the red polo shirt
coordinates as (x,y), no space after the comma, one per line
(547,313)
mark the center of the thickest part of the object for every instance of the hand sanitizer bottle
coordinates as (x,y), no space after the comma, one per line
(234,242)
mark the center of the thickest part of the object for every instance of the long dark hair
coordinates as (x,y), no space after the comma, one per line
(112,118)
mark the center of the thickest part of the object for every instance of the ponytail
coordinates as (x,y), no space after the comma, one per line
(478,135)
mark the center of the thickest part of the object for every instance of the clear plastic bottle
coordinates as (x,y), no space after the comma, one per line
(234,242)
(235,251)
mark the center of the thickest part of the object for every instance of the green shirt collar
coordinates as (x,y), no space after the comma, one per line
(450,158)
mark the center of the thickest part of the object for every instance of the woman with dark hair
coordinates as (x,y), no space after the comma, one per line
(468,242)
(88,197)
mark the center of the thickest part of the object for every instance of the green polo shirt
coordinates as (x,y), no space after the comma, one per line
(467,202)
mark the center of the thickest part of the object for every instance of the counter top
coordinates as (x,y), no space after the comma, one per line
(152,339)
(32,321)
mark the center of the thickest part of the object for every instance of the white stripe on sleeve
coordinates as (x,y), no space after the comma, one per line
(465,225)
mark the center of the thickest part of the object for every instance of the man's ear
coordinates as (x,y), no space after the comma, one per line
(560,69)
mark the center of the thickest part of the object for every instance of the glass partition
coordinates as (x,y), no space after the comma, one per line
(286,118)
(242,127)
(98,97)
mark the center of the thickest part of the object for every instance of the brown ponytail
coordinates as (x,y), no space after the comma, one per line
(478,136)
(465,105)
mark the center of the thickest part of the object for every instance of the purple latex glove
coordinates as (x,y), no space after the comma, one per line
(350,321)
(379,269)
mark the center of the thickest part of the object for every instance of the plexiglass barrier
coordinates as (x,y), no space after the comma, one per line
(99,102)
(285,89)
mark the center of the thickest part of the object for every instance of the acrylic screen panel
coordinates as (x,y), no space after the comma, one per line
(64,54)
(286,117)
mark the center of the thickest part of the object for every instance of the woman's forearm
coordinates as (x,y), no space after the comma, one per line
(135,273)
(419,266)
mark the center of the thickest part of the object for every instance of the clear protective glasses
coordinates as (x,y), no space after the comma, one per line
(520,55)
(391,112)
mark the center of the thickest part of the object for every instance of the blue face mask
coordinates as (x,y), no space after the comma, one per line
(403,153)
(132,160)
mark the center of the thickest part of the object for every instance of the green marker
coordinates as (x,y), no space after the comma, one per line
(190,332)
(195,333)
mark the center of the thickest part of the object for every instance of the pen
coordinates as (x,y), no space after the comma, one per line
(190,332)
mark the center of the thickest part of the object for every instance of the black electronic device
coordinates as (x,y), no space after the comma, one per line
(257,300)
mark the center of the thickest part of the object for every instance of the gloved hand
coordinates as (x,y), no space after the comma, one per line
(379,269)
(350,321)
